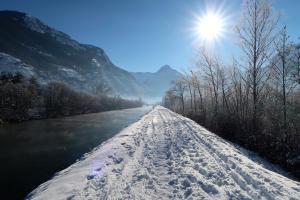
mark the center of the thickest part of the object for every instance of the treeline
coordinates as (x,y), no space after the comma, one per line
(254,101)
(24,99)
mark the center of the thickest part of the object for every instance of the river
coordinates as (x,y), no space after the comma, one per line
(32,152)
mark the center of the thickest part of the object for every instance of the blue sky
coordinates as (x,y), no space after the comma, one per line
(143,35)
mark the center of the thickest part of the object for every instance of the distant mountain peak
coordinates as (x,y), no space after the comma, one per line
(165,68)
(157,83)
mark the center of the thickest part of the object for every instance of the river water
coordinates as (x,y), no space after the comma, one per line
(32,152)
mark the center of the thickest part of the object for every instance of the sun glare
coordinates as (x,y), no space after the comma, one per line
(210,27)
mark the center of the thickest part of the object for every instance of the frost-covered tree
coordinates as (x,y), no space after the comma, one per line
(256,37)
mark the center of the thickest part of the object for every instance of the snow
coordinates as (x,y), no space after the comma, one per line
(71,73)
(11,64)
(38,26)
(94,60)
(102,54)
(35,24)
(167,156)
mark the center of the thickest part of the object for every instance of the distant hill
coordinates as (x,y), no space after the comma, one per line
(155,84)
(32,47)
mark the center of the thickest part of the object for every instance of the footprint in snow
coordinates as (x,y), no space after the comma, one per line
(90,176)
(192,178)
(208,188)
(98,169)
(173,182)
(115,159)
(188,192)
(185,184)
(71,197)
(129,149)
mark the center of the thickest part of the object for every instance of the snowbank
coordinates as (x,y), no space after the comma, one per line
(167,156)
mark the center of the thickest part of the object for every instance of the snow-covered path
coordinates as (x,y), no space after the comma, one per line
(167,156)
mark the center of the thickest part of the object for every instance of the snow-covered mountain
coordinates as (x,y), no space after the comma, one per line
(30,45)
(155,84)
(167,156)
(33,48)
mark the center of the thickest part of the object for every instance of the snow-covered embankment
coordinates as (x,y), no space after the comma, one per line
(167,156)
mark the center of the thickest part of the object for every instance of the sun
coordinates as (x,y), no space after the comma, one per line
(210,27)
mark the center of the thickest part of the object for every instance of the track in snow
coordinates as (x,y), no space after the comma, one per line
(167,156)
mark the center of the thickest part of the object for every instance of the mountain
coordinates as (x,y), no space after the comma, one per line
(155,84)
(35,49)
(52,55)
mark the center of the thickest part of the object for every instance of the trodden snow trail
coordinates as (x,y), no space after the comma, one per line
(167,156)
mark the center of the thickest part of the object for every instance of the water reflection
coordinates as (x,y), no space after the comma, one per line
(31,152)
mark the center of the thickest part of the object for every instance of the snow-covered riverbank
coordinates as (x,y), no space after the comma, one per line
(167,156)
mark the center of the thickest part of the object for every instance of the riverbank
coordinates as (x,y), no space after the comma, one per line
(23,99)
(33,151)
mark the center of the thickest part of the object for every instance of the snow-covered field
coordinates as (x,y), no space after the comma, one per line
(167,156)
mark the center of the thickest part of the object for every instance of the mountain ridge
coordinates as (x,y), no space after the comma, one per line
(54,56)
(159,80)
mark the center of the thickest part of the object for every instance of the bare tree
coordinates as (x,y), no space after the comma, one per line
(169,99)
(196,89)
(188,81)
(256,33)
(197,86)
(296,73)
(179,89)
(240,93)
(224,89)
(209,65)
(283,73)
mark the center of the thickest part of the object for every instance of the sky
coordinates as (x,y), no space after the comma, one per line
(143,35)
